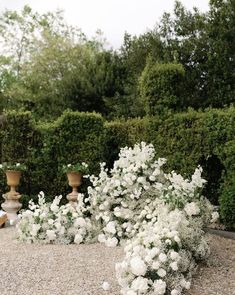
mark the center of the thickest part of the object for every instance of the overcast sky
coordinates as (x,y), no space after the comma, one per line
(112,17)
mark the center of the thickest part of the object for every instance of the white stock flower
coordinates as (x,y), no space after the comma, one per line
(214,217)
(35,229)
(192,209)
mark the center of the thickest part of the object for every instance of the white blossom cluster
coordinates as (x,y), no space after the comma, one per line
(159,218)
(161,258)
(51,223)
(122,200)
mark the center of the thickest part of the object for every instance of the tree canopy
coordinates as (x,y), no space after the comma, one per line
(47,66)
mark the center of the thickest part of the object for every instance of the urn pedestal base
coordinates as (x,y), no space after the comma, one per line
(11,206)
(72,198)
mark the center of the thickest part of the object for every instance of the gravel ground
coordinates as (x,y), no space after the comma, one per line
(81,270)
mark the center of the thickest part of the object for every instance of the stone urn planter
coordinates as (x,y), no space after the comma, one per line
(12,205)
(75,180)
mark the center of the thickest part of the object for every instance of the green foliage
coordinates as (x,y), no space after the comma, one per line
(186,140)
(160,86)
(50,65)
(203,43)
(18,142)
(74,137)
(227,203)
(12,166)
(78,168)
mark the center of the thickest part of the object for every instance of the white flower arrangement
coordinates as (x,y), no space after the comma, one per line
(160,259)
(51,223)
(158,217)
(122,200)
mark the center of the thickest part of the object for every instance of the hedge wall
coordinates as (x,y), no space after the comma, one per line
(74,137)
(18,141)
(186,140)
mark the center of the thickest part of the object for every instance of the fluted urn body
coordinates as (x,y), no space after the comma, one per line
(75,180)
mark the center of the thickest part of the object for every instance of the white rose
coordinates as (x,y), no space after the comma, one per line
(163,257)
(112,242)
(110,227)
(140,285)
(101,238)
(174,255)
(138,267)
(174,265)
(155,265)
(159,287)
(51,235)
(161,272)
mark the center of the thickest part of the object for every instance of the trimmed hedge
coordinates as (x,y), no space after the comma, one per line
(74,137)
(18,143)
(227,203)
(185,139)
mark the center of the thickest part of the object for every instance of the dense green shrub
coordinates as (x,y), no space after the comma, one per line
(193,138)
(18,142)
(227,203)
(74,137)
(160,86)
(185,139)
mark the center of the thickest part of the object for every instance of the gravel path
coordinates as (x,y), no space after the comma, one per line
(80,270)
